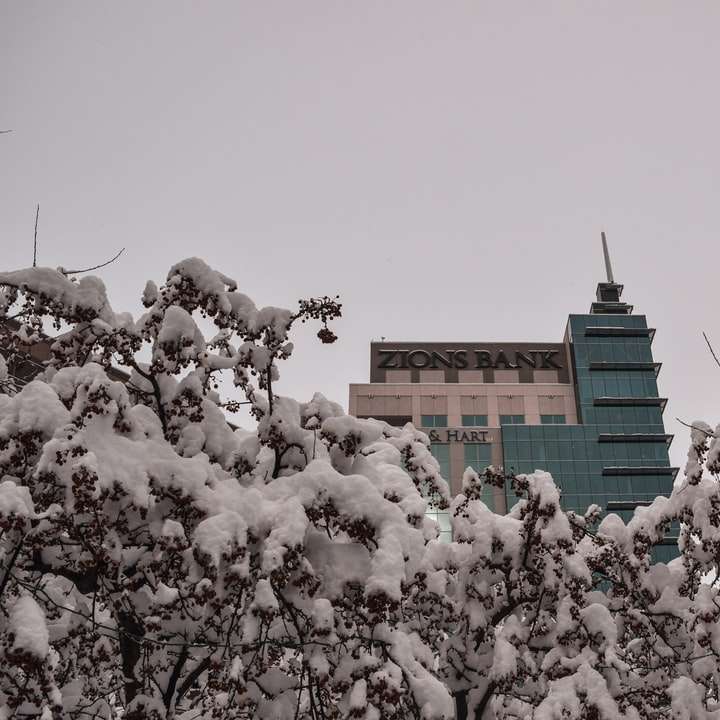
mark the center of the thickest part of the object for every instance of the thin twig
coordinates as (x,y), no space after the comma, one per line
(712,352)
(37,214)
(695,427)
(94,267)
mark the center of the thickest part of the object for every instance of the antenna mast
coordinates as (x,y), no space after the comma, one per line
(606,253)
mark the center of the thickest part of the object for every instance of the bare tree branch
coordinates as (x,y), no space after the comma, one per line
(37,214)
(695,427)
(94,267)
(712,352)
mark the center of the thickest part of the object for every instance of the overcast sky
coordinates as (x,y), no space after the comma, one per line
(445,167)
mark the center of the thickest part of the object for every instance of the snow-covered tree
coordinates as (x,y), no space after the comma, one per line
(157,563)
(520,589)
(564,616)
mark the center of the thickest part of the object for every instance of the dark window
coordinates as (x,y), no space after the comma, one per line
(552,419)
(474,420)
(433,420)
(512,419)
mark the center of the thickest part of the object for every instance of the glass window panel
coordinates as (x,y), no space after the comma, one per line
(552,419)
(433,420)
(550,432)
(539,453)
(477,456)
(442,518)
(524,450)
(441,452)
(488,497)
(474,420)
(579,450)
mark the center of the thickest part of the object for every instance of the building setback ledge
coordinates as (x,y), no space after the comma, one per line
(626,504)
(641,366)
(597,331)
(642,470)
(630,401)
(611,308)
(635,437)
(394,420)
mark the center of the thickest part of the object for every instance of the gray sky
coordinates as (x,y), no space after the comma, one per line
(446,167)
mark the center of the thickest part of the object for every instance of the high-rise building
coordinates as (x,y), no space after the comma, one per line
(586,410)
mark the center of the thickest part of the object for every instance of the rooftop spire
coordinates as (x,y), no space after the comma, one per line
(606,253)
(608,293)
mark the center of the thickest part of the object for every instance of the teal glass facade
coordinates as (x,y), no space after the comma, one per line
(478,457)
(617,456)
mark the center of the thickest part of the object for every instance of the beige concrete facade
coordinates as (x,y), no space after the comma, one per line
(413,400)
(397,400)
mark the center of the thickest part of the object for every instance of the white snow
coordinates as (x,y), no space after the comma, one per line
(27,624)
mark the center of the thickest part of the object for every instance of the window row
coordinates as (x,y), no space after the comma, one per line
(580,479)
(578,323)
(616,488)
(604,454)
(608,454)
(441,421)
(614,384)
(632,415)
(616,350)
(580,503)
(435,377)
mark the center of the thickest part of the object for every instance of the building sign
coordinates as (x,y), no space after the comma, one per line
(464,358)
(455,358)
(458,435)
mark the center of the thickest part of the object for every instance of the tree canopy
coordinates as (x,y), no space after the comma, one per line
(157,562)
